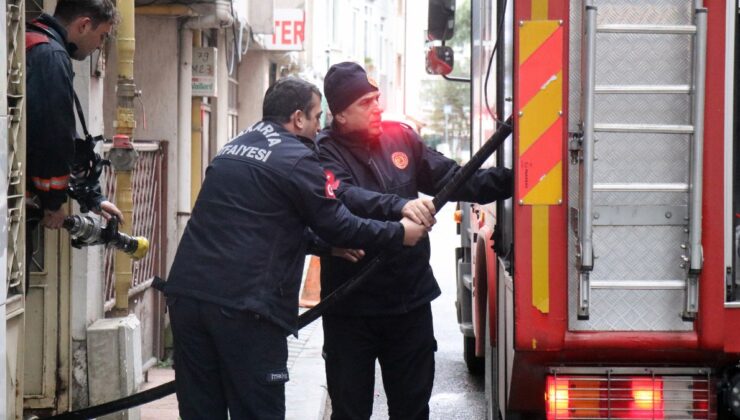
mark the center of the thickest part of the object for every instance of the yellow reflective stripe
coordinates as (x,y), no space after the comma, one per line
(549,189)
(59,183)
(55,183)
(40,184)
(541,258)
(540,113)
(533,34)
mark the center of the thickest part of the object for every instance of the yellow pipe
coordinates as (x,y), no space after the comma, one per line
(169,10)
(125,39)
(122,263)
(124,125)
(126,43)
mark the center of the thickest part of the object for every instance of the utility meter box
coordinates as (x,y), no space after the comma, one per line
(114,362)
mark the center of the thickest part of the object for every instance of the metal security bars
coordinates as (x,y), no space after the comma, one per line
(147,220)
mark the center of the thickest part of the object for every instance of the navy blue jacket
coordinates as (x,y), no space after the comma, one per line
(376,179)
(51,127)
(244,245)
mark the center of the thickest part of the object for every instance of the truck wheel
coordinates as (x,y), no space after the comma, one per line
(475,364)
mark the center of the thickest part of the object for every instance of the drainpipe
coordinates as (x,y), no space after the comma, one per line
(196,134)
(122,155)
(183,129)
(219,16)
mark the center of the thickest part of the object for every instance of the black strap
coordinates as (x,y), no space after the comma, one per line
(80,115)
(134,400)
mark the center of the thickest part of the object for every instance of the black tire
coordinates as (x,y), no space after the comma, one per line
(491,378)
(475,364)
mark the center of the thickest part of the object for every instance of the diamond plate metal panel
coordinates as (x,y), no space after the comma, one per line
(632,59)
(637,157)
(638,252)
(643,198)
(642,109)
(633,252)
(631,310)
(664,12)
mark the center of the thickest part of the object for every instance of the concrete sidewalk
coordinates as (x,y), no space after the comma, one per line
(305,393)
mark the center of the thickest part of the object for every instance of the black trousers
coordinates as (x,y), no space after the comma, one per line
(403,344)
(227,360)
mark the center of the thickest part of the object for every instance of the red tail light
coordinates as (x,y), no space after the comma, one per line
(647,398)
(556,398)
(627,397)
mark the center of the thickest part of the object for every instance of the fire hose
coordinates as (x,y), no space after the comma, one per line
(444,195)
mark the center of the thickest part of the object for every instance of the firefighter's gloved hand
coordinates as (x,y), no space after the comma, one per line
(351,255)
(506,176)
(420,211)
(54,219)
(108,210)
(413,232)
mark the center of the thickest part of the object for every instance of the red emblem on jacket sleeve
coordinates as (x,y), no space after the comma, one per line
(331,184)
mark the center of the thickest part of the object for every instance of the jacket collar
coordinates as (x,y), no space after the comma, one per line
(349,140)
(50,25)
(285,132)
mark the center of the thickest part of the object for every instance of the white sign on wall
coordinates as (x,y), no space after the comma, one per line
(204,71)
(289,30)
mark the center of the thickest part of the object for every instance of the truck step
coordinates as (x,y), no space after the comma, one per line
(645,128)
(642,187)
(639,284)
(625,28)
(643,89)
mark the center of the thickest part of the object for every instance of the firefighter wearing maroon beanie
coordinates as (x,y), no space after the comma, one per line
(377,170)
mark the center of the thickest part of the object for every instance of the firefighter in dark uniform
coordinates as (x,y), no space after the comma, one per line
(77,28)
(378,170)
(232,291)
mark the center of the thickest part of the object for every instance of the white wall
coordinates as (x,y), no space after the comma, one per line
(253,82)
(415,74)
(155,74)
(338,33)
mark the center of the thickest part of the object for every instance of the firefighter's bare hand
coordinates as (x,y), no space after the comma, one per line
(109,210)
(413,232)
(351,255)
(420,211)
(53,219)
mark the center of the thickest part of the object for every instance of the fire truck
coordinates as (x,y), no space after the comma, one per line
(607,286)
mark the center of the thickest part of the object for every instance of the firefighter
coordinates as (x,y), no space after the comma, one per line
(77,28)
(233,287)
(378,170)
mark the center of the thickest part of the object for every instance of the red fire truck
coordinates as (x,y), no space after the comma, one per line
(607,286)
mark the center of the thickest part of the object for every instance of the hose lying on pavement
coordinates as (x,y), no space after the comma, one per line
(462,176)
